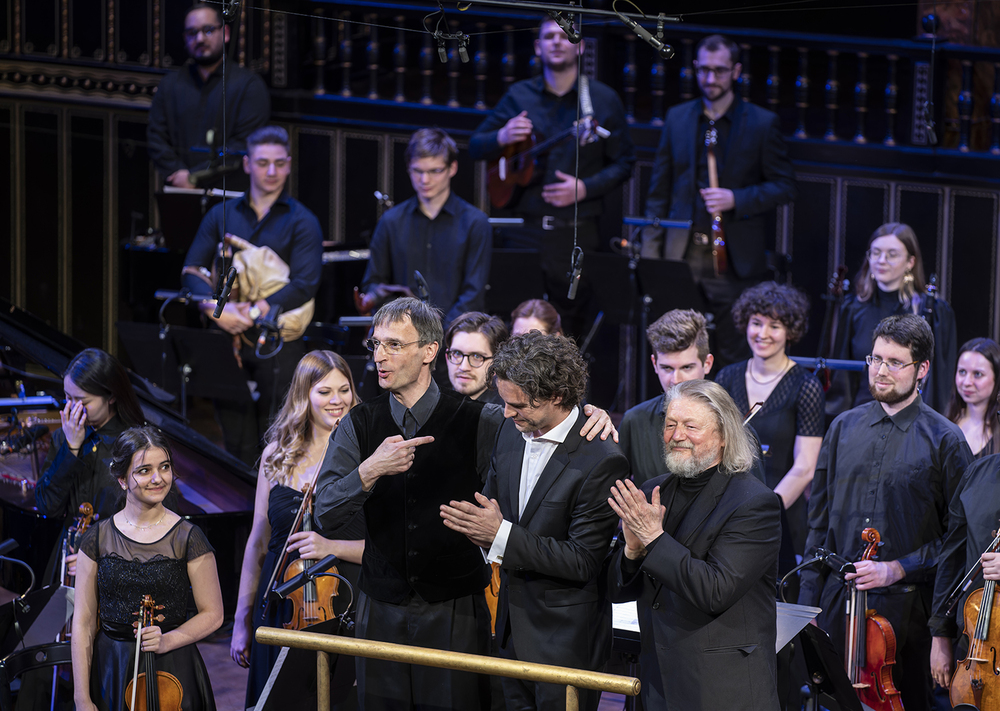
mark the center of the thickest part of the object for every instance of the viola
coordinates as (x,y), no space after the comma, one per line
(313,602)
(516,165)
(720,257)
(160,691)
(976,680)
(871,643)
(71,543)
(834,296)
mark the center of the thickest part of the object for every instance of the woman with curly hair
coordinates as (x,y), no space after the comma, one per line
(891,281)
(975,400)
(321,393)
(790,422)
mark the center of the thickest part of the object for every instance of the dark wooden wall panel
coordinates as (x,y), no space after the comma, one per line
(39,27)
(401,186)
(865,209)
(360,159)
(172,32)
(810,269)
(973,263)
(87,225)
(42,200)
(88,29)
(133,174)
(315,177)
(6,202)
(921,210)
(134,30)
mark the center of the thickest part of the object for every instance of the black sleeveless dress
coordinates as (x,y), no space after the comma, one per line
(282,506)
(126,571)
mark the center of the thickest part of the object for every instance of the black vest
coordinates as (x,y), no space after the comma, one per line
(407,546)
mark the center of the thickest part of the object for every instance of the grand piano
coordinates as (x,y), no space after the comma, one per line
(216,489)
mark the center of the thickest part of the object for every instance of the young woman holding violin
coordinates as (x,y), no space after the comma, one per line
(321,393)
(143,550)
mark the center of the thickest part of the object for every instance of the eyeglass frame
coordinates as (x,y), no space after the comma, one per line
(892,369)
(207,30)
(462,356)
(392,348)
(717,71)
(887,253)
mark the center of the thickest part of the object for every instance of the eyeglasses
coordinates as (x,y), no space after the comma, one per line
(207,30)
(264,163)
(717,71)
(476,360)
(891,255)
(433,172)
(893,366)
(391,347)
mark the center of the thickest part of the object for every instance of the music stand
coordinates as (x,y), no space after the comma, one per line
(152,357)
(207,365)
(515,276)
(181,212)
(41,615)
(827,677)
(613,273)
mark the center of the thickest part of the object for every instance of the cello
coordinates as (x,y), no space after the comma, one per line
(976,681)
(871,643)
(162,691)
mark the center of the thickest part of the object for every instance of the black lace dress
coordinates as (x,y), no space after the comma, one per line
(127,570)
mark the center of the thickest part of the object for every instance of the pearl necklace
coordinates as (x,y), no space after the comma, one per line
(143,528)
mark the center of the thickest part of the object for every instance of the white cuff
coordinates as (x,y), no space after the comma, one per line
(499,543)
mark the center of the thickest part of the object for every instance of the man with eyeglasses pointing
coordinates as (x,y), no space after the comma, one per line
(187,106)
(435,232)
(398,458)
(891,464)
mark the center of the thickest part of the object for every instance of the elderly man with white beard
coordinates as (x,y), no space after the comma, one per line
(699,554)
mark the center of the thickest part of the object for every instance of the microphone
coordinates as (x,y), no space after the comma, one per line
(566,26)
(423,293)
(664,50)
(230,10)
(224,289)
(835,562)
(576,263)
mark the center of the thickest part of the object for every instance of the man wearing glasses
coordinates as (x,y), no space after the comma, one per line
(891,464)
(435,232)
(470,343)
(399,458)
(188,104)
(754,176)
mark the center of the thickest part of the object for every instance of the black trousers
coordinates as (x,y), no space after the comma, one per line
(524,695)
(460,625)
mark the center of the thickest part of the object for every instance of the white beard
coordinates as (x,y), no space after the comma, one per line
(686,466)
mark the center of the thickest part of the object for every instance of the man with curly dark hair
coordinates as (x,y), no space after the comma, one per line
(544,518)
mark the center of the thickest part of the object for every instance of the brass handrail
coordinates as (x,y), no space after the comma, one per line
(547,673)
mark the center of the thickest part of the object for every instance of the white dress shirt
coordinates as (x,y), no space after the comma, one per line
(538,450)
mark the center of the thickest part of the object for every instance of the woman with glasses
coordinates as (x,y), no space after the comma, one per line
(790,422)
(891,281)
(975,399)
(321,393)
(470,343)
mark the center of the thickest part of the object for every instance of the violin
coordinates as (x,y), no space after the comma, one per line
(871,643)
(720,257)
(313,602)
(516,165)
(71,542)
(975,681)
(162,691)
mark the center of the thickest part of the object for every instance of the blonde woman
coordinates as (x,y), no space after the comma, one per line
(321,393)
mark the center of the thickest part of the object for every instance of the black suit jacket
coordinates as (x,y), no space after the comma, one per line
(706,599)
(552,600)
(755,167)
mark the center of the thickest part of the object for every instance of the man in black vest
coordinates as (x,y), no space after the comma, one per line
(421,583)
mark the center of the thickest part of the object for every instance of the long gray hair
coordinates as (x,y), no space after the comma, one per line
(739,452)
